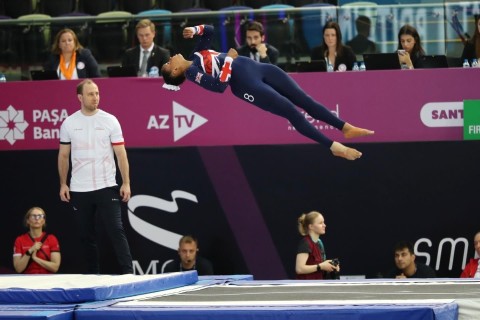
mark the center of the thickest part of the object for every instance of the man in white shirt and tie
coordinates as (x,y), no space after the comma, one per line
(147,54)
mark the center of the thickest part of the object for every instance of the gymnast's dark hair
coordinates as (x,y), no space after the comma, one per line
(176,81)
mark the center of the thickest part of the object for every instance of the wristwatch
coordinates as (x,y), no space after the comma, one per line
(318,268)
(28,253)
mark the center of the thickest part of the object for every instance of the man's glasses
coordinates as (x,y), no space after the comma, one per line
(37,216)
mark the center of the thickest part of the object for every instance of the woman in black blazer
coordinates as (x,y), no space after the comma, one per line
(340,56)
(69,59)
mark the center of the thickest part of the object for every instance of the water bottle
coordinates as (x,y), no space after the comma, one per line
(154,72)
(474,63)
(3,78)
(355,67)
(362,66)
(329,67)
(466,64)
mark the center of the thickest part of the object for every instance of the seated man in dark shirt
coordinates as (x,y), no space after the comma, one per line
(188,259)
(406,267)
(255,46)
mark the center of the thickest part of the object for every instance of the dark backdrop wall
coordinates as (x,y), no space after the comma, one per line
(248,198)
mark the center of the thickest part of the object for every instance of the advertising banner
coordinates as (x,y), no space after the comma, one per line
(418,105)
(471,127)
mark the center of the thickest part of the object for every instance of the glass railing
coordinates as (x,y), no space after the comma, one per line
(25,42)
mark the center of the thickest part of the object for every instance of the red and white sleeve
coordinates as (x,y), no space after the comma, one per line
(226,72)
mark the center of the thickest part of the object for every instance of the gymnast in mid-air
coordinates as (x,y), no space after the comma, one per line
(261,84)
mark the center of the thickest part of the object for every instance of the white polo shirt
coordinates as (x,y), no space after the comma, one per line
(92,139)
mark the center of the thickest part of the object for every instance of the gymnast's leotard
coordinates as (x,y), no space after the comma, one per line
(261,84)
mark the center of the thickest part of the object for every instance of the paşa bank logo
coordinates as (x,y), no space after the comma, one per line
(12,125)
(184,121)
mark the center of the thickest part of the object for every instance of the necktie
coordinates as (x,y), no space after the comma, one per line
(143,66)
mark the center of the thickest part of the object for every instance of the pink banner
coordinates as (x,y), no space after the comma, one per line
(419,105)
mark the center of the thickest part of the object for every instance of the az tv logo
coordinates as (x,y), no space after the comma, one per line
(184,121)
(12,125)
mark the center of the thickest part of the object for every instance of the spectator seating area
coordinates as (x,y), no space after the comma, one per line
(107,27)
(57,8)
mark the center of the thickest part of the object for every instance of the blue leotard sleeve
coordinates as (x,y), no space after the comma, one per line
(205,41)
(196,72)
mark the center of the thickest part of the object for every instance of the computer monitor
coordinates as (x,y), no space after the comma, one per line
(381,61)
(432,62)
(119,71)
(44,74)
(311,66)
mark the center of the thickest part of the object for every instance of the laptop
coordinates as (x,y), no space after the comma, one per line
(381,61)
(454,62)
(431,62)
(119,71)
(44,74)
(311,66)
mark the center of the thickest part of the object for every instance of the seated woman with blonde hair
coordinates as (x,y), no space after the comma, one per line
(36,252)
(311,262)
(70,59)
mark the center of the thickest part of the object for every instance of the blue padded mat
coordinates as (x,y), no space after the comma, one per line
(64,289)
(38,315)
(368,312)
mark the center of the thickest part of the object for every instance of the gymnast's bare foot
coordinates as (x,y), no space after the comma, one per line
(350,131)
(339,150)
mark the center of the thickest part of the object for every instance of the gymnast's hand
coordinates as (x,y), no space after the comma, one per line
(188,32)
(232,53)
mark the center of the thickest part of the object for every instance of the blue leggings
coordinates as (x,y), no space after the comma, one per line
(271,89)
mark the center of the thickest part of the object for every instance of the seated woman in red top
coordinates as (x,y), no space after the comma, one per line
(471,269)
(36,252)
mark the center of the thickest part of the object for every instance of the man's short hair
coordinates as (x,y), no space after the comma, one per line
(82,84)
(403,245)
(256,26)
(144,23)
(188,239)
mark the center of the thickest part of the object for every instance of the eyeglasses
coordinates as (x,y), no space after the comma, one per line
(37,216)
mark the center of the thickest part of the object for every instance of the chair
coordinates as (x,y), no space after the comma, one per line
(2,9)
(110,36)
(163,26)
(179,5)
(96,7)
(349,12)
(313,21)
(301,3)
(56,8)
(231,27)
(7,55)
(136,6)
(181,45)
(367,8)
(218,4)
(279,30)
(257,4)
(17,8)
(82,29)
(32,37)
